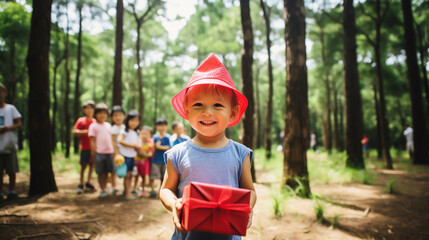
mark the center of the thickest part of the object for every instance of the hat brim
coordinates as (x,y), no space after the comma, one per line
(177,100)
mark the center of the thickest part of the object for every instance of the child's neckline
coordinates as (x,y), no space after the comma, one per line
(203,147)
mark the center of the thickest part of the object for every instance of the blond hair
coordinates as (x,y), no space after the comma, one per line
(219,90)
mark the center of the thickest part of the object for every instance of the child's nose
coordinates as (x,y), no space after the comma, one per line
(208,111)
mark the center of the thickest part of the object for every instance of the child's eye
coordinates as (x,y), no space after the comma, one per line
(197,105)
(218,105)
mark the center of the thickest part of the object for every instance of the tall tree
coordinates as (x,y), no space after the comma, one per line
(297,114)
(76,105)
(247,76)
(151,10)
(119,38)
(354,115)
(42,179)
(423,62)
(58,55)
(326,122)
(67,90)
(375,43)
(269,113)
(420,142)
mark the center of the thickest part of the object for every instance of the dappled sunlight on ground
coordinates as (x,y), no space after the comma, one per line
(391,205)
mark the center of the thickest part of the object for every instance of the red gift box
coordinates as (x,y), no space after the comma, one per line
(215,208)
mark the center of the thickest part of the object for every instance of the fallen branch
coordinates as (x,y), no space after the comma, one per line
(13,215)
(38,235)
(49,223)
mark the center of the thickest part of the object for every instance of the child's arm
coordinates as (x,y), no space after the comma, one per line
(16,124)
(115,145)
(168,195)
(93,148)
(80,132)
(158,146)
(247,183)
(123,143)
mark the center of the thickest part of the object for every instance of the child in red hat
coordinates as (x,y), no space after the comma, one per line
(211,103)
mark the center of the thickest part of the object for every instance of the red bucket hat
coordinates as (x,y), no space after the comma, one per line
(211,71)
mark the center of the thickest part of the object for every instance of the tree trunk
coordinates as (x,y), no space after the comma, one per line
(67,93)
(377,105)
(420,143)
(246,75)
(119,38)
(54,108)
(341,127)
(11,83)
(297,114)
(354,119)
(258,131)
(269,113)
(139,74)
(327,141)
(384,125)
(42,178)
(423,64)
(76,107)
(335,137)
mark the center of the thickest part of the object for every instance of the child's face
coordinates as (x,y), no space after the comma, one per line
(179,129)
(101,116)
(118,118)
(133,123)
(145,135)
(161,128)
(209,112)
(88,111)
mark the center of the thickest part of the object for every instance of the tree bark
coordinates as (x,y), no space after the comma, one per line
(354,118)
(67,92)
(76,106)
(377,105)
(247,77)
(119,38)
(297,113)
(420,140)
(42,178)
(139,74)
(269,113)
(423,64)
(327,141)
(258,128)
(335,137)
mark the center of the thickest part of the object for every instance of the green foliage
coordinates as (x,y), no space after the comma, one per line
(326,168)
(390,186)
(319,210)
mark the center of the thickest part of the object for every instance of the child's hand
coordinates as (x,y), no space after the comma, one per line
(249,223)
(119,159)
(177,215)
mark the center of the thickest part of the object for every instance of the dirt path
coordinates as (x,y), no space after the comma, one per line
(351,211)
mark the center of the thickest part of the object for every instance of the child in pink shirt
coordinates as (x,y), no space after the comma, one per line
(101,146)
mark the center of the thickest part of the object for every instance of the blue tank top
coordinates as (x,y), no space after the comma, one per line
(217,166)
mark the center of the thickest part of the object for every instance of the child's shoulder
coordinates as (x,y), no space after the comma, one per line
(238,145)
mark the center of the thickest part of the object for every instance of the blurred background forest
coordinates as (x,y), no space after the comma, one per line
(164,41)
(167,60)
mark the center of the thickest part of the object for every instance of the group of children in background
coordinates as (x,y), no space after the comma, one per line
(105,146)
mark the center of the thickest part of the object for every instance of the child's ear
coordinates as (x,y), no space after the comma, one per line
(234,113)
(185,108)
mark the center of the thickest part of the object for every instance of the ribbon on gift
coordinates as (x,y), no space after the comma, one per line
(221,209)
